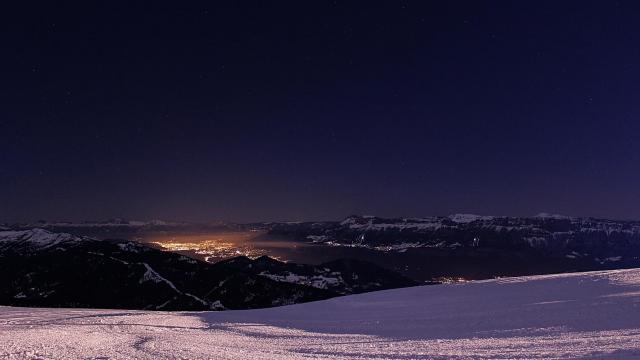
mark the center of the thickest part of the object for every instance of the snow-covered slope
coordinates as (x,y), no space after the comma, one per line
(587,315)
(36,239)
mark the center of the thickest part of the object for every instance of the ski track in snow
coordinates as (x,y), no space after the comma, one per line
(593,315)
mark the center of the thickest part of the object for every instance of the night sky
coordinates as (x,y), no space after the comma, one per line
(298,110)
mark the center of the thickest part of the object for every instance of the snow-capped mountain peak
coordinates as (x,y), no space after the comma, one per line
(467,218)
(545,215)
(36,238)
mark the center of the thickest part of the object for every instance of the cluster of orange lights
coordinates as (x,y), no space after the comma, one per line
(211,249)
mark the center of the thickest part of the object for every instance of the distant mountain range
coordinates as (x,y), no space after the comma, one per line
(433,248)
(121,228)
(46,269)
(473,246)
(552,234)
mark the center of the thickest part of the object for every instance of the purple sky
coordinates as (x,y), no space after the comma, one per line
(317,110)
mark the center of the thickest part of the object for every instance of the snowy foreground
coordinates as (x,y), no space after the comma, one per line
(587,315)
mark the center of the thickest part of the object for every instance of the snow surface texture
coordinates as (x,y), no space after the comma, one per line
(589,315)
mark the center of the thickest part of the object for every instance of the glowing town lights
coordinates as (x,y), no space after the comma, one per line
(211,248)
